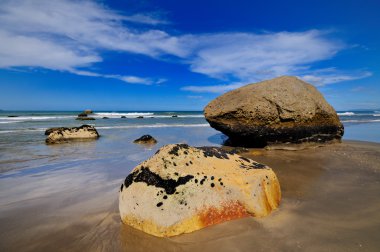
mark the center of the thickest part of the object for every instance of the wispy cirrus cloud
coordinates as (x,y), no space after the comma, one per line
(318,78)
(68,35)
(125,78)
(71,36)
(213,88)
(250,56)
(322,77)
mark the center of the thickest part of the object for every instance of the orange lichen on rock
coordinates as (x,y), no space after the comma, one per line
(182,189)
(227,211)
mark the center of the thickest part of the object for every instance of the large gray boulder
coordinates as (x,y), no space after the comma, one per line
(281,110)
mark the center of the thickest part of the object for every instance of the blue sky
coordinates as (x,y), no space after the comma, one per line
(178,55)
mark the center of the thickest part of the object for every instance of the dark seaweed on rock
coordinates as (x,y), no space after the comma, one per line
(245,159)
(145,139)
(258,166)
(178,147)
(238,150)
(255,165)
(214,152)
(150,178)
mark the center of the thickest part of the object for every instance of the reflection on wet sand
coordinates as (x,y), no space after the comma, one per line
(330,203)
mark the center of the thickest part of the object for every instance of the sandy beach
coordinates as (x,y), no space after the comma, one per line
(330,203)
(189,126)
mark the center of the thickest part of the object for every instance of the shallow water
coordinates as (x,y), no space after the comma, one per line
(65,197)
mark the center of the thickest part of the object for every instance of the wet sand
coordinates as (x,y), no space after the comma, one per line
(330,202)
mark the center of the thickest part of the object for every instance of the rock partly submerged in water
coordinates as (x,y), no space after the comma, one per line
(146,139)
(63,134)
(84,115)
(182,189)
(281,110)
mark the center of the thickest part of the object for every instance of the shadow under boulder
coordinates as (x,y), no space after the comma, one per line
(282,110)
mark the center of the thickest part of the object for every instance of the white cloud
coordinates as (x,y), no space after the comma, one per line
(125,78)
(68,35)
(249,56)
(331,76)
(195,97)
(144,19)
(136,80)
(212,88)
(319,78)
(84,24)
(65,35)
(19,50)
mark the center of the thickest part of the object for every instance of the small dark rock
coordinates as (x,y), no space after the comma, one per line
(82,115)
(146,139)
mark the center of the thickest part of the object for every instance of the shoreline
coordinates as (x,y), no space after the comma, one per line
(333,188)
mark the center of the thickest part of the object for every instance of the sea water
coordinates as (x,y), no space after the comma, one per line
(22,134)
(47,191)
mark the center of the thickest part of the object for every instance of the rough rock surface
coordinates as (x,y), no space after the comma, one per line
(146,139)
(63,135)
(182,189)
(281,110)
(50,130)
(88,111)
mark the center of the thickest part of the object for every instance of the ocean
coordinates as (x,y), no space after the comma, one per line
(28,126)
(66,195)
(22,134)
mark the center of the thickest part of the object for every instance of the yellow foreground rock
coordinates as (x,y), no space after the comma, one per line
(182,189)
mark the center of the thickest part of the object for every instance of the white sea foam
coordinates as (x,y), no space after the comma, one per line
(118,127)
(180,116)
(10,121)
(144,114)
(6,131)
(22,130)
(346,114)
(360,121)
(376,115)
(116,114)
(35,118)
(154,126)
